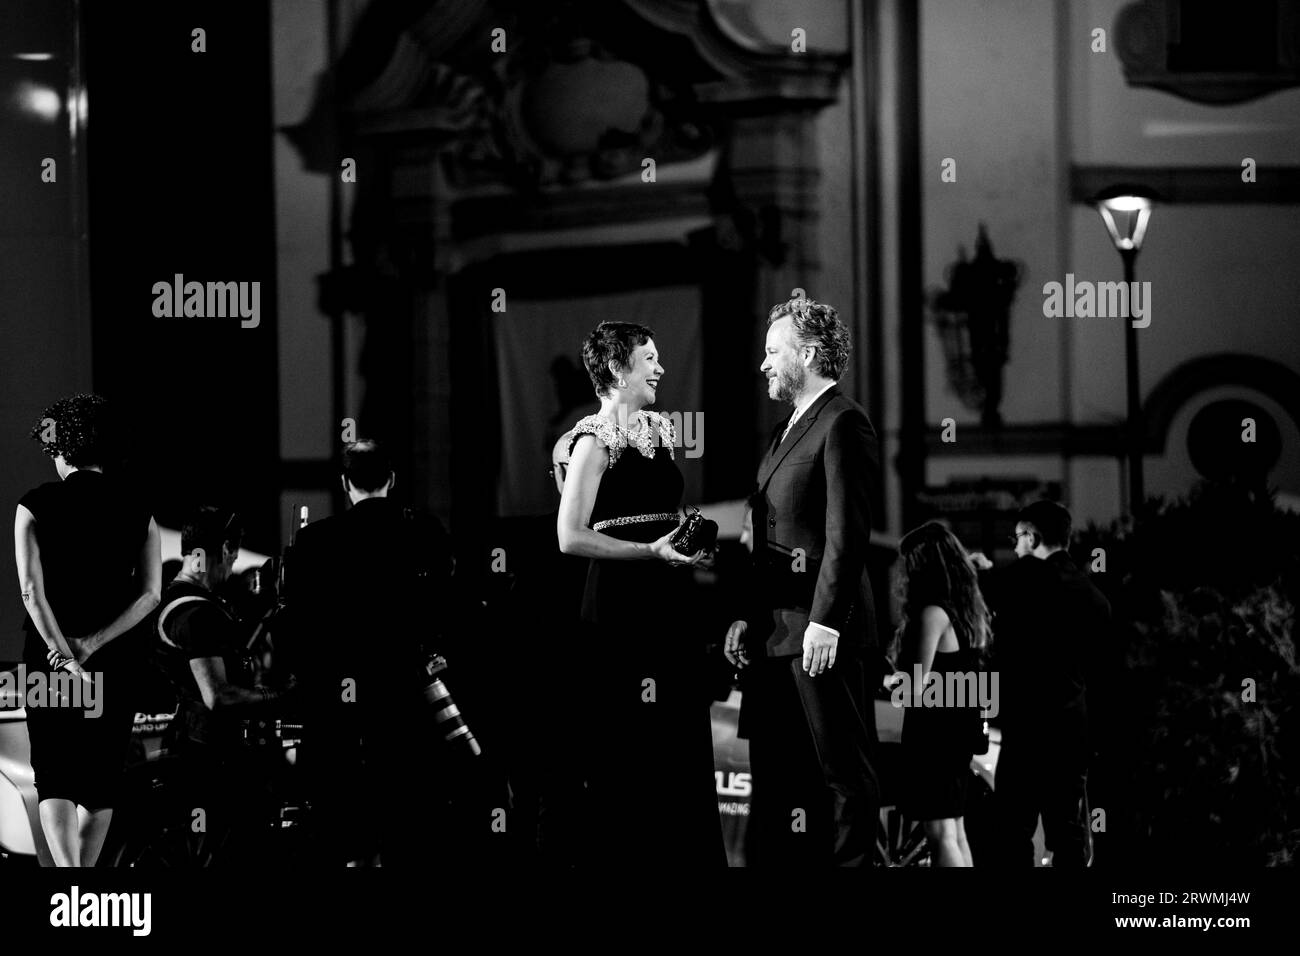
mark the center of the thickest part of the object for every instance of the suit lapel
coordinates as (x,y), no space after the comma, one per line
(776,440)
(778,454)
(773,444)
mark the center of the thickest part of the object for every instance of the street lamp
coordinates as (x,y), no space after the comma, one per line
(1126,211)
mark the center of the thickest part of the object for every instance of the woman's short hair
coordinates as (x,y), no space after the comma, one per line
(819,325)
(78,428)
(611,342)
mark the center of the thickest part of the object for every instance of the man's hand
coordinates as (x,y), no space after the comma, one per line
(980,562)
(818,650)
(733,649)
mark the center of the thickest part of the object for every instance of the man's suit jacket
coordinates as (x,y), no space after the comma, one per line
(364,609)
(812,529)
(1051,634)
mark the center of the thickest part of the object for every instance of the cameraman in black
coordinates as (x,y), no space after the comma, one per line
(200,645)
(366,588)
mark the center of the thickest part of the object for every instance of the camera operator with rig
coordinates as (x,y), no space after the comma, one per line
(366,588)
(201,646)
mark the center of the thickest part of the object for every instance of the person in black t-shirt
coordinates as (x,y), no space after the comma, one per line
(200,647)
(201,642)
(90,569)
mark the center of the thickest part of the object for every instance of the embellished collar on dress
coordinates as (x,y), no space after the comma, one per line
(655,430)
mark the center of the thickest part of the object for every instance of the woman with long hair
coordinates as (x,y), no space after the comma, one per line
(944,627)
(90,570)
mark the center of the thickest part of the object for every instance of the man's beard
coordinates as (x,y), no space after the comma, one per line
(790,382)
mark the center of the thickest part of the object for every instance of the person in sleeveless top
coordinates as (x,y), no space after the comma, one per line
(945,624)
(90,569)
(650,776)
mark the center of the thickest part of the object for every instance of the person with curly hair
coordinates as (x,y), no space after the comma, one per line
(90,570)
(808,636)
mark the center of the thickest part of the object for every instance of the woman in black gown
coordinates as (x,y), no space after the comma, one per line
(90,570)
(650,781)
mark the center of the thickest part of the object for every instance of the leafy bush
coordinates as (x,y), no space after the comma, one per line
(1204,595)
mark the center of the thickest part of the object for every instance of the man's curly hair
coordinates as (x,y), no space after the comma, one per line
(78,428)
(818,325)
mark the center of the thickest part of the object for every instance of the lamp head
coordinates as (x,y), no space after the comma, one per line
(1126,210)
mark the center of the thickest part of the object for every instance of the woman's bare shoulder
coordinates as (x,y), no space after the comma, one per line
(934,614)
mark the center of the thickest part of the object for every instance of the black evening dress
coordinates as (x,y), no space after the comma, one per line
(90,528)
(937,742)
(651,780)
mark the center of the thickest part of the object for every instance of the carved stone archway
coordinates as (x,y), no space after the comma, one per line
(495,137)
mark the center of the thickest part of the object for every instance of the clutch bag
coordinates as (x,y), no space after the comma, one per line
(697,533)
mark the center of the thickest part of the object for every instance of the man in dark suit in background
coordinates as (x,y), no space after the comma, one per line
(368,586)
(1049,626)
(808,708)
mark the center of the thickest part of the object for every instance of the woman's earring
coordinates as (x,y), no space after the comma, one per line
(622,383)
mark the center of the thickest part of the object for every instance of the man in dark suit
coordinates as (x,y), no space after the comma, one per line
(1049,628)
(368,586)
(810,638)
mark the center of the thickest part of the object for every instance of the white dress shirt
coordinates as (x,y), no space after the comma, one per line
(801,408)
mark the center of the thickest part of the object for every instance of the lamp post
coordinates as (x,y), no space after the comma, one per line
(1126,210)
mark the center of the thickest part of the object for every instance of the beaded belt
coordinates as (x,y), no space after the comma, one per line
(635,519)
